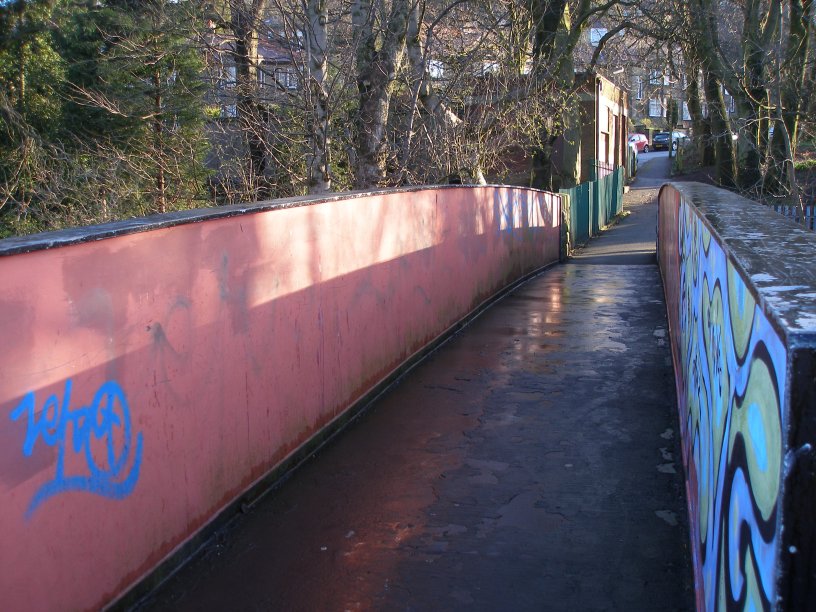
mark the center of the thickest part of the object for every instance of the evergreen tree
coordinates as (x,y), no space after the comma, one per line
(139,91)
(29,66)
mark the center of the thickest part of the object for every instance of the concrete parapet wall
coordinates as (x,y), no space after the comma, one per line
(151,378)
(741,297)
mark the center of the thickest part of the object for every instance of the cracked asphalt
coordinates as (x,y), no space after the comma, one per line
(531,463)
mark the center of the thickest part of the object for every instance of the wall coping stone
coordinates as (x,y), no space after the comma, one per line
(89,233)
(775,253)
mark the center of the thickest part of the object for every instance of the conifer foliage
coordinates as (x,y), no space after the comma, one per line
(103,112)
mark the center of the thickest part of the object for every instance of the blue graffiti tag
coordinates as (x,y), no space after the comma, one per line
(99,421)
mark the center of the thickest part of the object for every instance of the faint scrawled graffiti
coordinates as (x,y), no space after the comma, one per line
(99,435)
(731,398)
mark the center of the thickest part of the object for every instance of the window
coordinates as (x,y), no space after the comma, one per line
(655,77)
(595,35)
(603,119)
(228,77)
(686,113)
(638,88)
(286,78)
(728,100)
(656,108)
(489,68)
(436,69)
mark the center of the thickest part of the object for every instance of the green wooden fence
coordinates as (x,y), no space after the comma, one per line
(593,205)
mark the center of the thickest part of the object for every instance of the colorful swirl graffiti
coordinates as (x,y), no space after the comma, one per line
(731,398)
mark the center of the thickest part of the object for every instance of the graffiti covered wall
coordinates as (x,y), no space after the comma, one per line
(731,356)
(149,379)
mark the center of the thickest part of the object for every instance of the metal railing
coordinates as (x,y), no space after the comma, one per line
(792,212)
(599,169)
(593,204)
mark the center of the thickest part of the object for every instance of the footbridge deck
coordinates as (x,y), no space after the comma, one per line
(530,463)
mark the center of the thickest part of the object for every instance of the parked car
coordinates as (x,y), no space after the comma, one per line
(640,141)
(660,141)
(678,138)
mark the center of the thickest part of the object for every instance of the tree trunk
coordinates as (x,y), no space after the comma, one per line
(426,103)
(376,74)
(791,102)
(797,55)
(752,111)
(753,98)
(244,25)
(420,84)
(549,19)
(319,173)
(21,79)
(724,152)
(552,25)
(700,125)
(158,145)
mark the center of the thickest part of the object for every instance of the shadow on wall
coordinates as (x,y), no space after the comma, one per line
(160,374)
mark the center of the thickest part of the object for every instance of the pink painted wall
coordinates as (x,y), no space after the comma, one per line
(148,379)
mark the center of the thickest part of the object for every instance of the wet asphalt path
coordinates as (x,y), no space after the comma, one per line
(529,464)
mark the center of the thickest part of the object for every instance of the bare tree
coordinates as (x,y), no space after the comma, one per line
(380,33)
(244,22)
(762,65)
(317,16)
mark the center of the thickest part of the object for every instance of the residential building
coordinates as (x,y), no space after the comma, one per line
(601,144)
(277,72)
